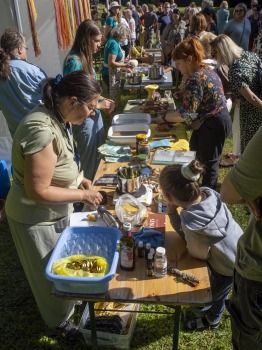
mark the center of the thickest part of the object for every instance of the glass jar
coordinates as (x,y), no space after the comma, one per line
(143,148)
(160,263)
(140,137)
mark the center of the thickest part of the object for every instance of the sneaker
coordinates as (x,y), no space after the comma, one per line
(69,332)
(200,324)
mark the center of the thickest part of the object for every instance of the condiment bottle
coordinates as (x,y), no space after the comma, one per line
(150,265)
(152,251)
(127,248)
(140,137)
(147,250)
(160,262)
(140,249)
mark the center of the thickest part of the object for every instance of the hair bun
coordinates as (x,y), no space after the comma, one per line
(188,173)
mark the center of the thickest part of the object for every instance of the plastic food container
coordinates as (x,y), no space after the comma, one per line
(95,240)
(131,118)
(125,134)
(118,341)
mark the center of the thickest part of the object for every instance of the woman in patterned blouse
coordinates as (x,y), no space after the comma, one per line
(244,83)
(203,97)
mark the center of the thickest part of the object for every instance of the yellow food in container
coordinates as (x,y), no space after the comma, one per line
(81,266)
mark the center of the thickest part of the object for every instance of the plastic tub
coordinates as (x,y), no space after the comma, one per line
(118,341)
(128,132)
(95,240)
(131,118)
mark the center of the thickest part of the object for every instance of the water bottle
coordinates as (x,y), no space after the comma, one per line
(160,262)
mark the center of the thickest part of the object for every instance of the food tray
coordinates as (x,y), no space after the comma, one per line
(101,241)
(131,118)
(129,132)
(118,341)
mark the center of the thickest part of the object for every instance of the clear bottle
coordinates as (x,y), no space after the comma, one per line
(160,262)
(127,248)
(150,265)
(140,249)
(147,250)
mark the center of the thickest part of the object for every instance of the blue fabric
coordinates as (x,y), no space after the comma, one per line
(148,235)
(90,134)
(21,92)
(160,143)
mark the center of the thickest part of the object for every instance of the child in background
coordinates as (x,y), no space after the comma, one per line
(210,232)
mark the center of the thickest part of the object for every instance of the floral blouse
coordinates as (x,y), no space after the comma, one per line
(204,94)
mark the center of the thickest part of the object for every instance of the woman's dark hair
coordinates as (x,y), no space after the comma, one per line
(10,41)
(81,45)
(173,182)
(189,47)
(79,84)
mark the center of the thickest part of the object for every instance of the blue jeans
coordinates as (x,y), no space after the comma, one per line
(245,308)
(88,137)
(220,288)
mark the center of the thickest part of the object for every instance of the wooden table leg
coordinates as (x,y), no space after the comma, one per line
(92,324)
(176,327)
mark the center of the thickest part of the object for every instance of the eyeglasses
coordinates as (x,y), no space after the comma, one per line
(93,109)
(26,48)
(241,10)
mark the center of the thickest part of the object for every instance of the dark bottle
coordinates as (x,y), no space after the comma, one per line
(147,250)
(127,248)
(140,249)
(150,265)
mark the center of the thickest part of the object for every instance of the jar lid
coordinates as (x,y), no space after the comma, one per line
(127,226)
(160,250)
(140,136)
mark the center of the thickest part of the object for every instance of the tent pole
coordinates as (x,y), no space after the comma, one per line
(18,17)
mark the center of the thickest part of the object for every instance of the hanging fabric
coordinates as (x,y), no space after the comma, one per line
(32,19)
(69,14)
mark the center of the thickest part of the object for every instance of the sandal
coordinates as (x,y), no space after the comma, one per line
(200,324)
(229,161)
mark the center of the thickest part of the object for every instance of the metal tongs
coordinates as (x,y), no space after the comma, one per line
(107,217)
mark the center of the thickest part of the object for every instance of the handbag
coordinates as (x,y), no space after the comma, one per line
(222,72)
(196,123)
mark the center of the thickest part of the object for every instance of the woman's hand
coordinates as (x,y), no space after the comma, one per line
(86,184)
(127,68)
(92,197)
(108,105)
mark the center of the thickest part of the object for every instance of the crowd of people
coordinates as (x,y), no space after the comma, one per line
(57,127)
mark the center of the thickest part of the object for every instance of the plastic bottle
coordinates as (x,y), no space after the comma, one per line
(127,248)
(147,250)
(150,265)
(140,249)
(160,262)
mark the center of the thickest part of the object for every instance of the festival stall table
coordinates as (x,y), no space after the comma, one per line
(136,287)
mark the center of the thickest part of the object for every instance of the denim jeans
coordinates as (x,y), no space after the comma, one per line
(220,288)
(245,308)
(89,136)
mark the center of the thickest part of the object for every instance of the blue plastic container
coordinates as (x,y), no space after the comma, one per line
(4,179)
(94,240)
